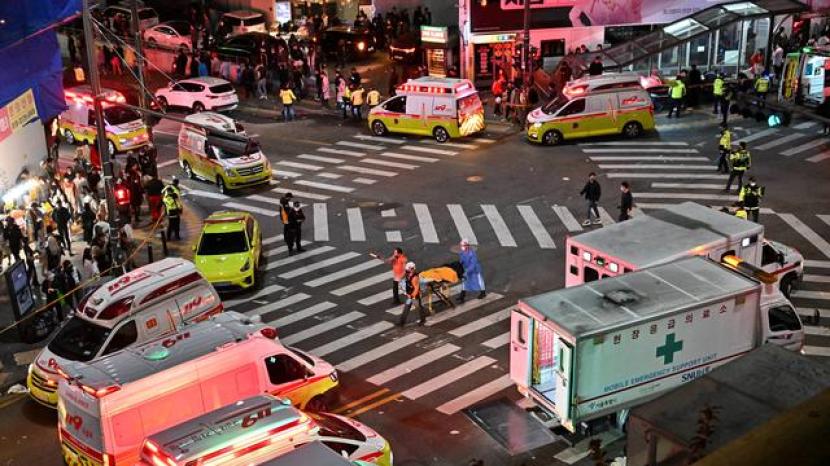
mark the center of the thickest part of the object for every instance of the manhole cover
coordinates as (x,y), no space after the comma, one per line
(475,179)
(512,427)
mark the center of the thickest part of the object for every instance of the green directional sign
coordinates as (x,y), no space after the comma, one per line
(667,350)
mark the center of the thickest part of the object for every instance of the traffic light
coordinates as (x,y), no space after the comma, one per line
(122,195)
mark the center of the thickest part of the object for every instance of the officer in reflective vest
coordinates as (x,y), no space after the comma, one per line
(740,160)
(750,196)
(173,208)
(724,147)
(678,91)
(287,227)
(717,92)
(762,88)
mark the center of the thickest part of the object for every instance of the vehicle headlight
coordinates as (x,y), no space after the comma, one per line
(361,46)
(537,125)
(247,266)
(122,140)
(230,172)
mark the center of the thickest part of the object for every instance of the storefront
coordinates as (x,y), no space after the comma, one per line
(439,44)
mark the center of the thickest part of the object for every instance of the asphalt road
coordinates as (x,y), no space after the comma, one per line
(517,202)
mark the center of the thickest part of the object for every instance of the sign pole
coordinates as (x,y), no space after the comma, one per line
(526,46)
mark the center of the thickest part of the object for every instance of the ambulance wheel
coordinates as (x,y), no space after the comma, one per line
(111,147)
(317,404)
(440,134)
(378,128)
(632,129)
(163,104)
(552,138)
(188,172)
(220,183)
(68,136)
(787,285)
(198,107)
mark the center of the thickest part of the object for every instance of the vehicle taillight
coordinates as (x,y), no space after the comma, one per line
(269,332)
(101,392)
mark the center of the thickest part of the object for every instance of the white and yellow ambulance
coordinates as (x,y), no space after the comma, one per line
(124,127)
(443,108)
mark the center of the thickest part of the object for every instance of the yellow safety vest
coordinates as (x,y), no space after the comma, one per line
(287,96)
(762,84)
(170,204)
(357,97)
(347,96)
(373,97)
(741,160)
(726,139)
(678,90)
(717,87)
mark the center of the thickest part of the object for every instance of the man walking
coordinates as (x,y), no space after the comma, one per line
(626,201)
(592,191)
(173,208)
(740,160)
(357,102)
(287,231)
(288,98)
(724,147)
(412,289)
(750,196)
(398,262)
(762,88)
(153,189)
(296,217)
(63,217)
(678,91)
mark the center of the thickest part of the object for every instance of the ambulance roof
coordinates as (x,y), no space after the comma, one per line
(86,89)
(651,239)
(432,85)
(314,453)
(637,297)
(213,430)
(213,120)
(138,362)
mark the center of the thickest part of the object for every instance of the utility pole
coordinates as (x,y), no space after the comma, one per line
(101,137)
(526,46)
(139,60)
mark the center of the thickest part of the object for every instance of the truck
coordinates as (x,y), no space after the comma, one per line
(594,350)
(664,236)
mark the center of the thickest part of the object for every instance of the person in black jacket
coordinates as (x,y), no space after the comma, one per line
(596,67)
(592,191)
(626,201)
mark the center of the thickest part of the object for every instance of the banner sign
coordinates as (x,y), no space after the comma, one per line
(17,113)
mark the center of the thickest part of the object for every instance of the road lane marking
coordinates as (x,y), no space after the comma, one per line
(474,396)
(448,377)
(304,166)
(758,135)
(321,328)
(804,147)
(359,145)
(405,166)
(567,218)
(208,194)
(635,143)
(807,233)
(817,295)
(425,223)
(290,260)
(498,341)
(352,338)
(360,401)
(698,196)
(394,236)
(377,297)
(375,404)
(256,210)
(667,176)
(430,150)
(412,364)
(536,227)
(265,199)
(414,158)
(659,185)
(817,264)
(330,176)
(302,314)
(365,283)
(340,274)
(356,231)
(467,306)
(646,158)
(321,222)
(462,223)
(387,213)
(285,173)
(325,186)
(606,218)
(277,305)
(499,226)
(167,163)
(380,351)
(365,181)
(397,310)
(653,166)
(780,141)
(320,158)
(456,145)
(481,323)
(367,171)
(272,240)
(483,140)
(263,292)
(805,125)
(380,139)
(319,265)
(329,150)
(639,150)
(823,351)
(819,157)
(295,193)
(283,249)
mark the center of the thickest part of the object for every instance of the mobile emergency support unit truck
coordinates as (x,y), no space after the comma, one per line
(107,408)
(149,302)
(443,108)
(603,347)
(667,235)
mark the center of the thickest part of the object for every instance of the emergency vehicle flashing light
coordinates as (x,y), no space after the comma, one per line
(122,196)
(574,91)
(112,96)
(742,266)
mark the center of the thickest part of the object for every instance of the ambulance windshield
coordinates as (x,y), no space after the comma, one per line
(120,115)
(226,148)
(79,340)
(554,105)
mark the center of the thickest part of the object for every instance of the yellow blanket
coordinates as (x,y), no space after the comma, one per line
(439,274)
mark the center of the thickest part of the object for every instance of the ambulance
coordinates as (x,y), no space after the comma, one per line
(227,157)
(443,108)
(149,302)
(258,429)
(125,129)
(108,407)
(663,236)
(314,453)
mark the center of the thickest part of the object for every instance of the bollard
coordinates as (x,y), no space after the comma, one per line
(150,254)
(164,250)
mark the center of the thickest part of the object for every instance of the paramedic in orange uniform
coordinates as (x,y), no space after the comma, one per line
(398,261)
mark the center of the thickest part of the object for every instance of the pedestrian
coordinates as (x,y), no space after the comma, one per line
(717,92)
(724,148)
(695,80)
(373,98)
(63,217)
(261,88)
(398,262)
(88,222)
(626,201)
(287,98)
(354,78)
(677,92)
(592,192)
(72,48)
(412,289)
(778,62)
(497,89)
(393,81)
(180,65)
(596,67)
(53,298)
(248,80)
(357,102)
(194,66)
(287,231)
(473,279)
(70,278)
(750,196)
(52,250)
(296,217)
(90,266)
(173,208)
(14,238)
(761,89)
(740,160)
(153,188)
(30,264)
(325,91)
(725,102)
(136,192)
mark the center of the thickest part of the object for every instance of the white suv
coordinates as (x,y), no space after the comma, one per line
(199,94)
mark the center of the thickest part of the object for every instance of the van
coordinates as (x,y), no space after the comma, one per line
(242,21)
(124,127)
(234,436)
(144,304)
(108,407)
(231,160)
(628,111)
(443,108)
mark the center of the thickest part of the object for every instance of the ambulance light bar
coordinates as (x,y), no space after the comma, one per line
(742,266)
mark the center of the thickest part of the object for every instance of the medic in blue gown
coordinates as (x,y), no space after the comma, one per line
(473,279)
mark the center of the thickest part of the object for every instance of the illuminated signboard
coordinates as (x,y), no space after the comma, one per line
(434,34)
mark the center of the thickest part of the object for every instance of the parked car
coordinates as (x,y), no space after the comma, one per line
(170,35)
(359,42)
(248,46)
(404,49)
(147,17)
(241,21)
(198,94)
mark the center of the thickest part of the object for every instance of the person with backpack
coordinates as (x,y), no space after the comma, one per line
(411,286)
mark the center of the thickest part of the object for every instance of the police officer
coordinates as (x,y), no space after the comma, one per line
(287,226)
(717,92)
(373,98)
(678,91)
(724,147)
(173,207)
(172,188)
(740,160)
(750,196)
(762,88)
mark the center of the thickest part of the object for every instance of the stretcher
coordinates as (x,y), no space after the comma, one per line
(437,282)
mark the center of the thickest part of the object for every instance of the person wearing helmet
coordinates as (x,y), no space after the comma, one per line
(473,279)
(411,286)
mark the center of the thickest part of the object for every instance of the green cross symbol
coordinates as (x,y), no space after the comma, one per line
(667,351)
